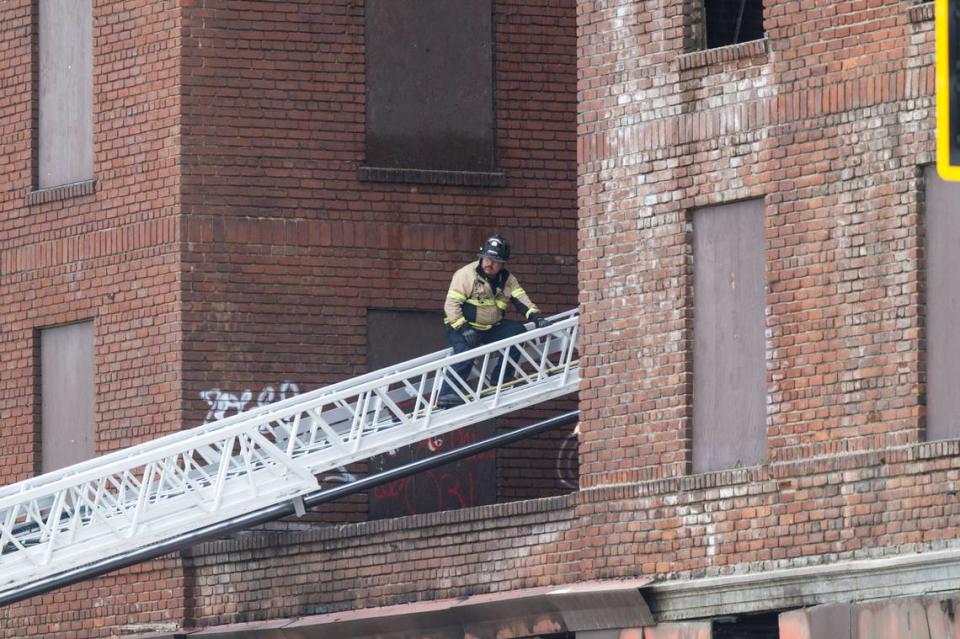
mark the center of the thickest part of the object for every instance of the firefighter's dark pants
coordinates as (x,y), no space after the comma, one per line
(506,328)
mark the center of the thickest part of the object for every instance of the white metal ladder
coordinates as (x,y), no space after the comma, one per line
(135,497)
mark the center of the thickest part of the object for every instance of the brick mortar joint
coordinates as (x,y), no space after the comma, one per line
(775,471)
(358,530)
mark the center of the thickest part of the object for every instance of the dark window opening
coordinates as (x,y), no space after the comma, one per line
(764,625)
(429,71)
(732,21)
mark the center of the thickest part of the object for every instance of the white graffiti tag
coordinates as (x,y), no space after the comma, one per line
(568,471)
(222,403)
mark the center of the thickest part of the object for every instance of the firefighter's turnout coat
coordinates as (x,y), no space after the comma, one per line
(482,302)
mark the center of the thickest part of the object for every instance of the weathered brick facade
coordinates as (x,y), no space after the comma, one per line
(268,243)
(230,242)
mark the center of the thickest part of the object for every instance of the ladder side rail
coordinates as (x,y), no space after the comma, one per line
(187,442)
(491,403)
(532,335)
(445,424)
(41,585)
(347,440)
(569,348)
(26,564)
(287,432)
(182,435)
(450,360)
(190,445)
(461,386)
(257,420)
(262,411)
(444,367)
(345,412)
(186,435)
(120,524)
(123,517)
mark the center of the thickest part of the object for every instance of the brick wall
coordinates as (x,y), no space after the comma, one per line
(827,121)
(287,244)
(287,248)
(862,505)
(230,243)
(865,505)
(141,598)
(828,127)
(106,252)
(487,549)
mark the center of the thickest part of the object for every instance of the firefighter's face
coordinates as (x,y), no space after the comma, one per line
(490,267)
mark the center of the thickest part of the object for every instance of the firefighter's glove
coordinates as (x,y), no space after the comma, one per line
(470,336)
(540,321)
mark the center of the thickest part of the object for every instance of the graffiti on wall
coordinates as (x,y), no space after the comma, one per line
(462,484)
(222,403)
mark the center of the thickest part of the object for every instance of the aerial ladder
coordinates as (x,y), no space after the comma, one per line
(133,499)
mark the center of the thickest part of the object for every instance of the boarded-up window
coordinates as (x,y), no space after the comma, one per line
(65,104)
(942,224)
(729,363)
(429,70)
(396,336)
(67,395)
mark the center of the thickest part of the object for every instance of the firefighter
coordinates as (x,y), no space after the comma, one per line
(479,295)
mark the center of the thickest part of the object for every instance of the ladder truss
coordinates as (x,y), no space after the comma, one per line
(136,497)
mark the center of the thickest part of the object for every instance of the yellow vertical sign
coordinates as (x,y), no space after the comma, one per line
(948,98)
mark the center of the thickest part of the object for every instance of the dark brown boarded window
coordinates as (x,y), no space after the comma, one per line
(729,362)
(732,21)
(66,395)
(65,92)
(394,336)
(942,227)
(429,70)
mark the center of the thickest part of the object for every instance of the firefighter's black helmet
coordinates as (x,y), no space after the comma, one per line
(496,248)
